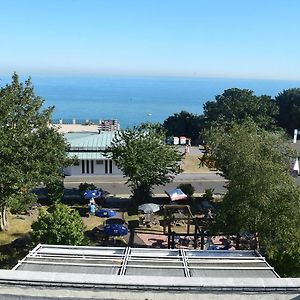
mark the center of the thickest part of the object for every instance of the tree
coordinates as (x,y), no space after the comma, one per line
(184,124)
(289,109)
(63,226)
(145,159)
(32,152)
(55,190)
(262,197)
(237,105)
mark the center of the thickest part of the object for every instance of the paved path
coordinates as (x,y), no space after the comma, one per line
(116,184)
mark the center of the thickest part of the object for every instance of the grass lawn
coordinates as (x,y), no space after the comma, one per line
(190,164)
(20,225)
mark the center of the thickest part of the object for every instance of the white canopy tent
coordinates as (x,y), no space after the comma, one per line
(176,194)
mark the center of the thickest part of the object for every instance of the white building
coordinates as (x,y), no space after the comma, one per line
(88,148)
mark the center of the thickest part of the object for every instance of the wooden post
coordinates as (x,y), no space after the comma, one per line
(195,236)
(238,240)
(173,239)
(202,239)
(169,236)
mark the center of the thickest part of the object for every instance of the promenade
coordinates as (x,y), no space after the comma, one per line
(116,184)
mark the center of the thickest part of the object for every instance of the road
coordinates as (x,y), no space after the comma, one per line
(116,184)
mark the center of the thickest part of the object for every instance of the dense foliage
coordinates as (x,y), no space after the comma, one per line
(289,110)
(262,197)
(184,124)
(31,151)
(143,157)
(237,105)
(55,190)
(187,188)
(62,226)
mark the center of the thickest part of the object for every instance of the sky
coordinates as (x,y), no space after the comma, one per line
(256,39)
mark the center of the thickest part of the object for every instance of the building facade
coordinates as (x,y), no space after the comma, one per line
(88,149)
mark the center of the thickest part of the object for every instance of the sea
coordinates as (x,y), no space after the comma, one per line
(132,100)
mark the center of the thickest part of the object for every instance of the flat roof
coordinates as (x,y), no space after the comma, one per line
(143,273)
(146,262)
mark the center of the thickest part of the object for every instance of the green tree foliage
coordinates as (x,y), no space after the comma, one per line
(83,187)
(63,226)
(31,151)
(55,190)
(262,197)
(287,260)
(289,109)
(187,188)
(145,159)
(237,105)
(184,124)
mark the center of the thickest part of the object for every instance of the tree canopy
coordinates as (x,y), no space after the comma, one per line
(31,151)
(262,197)
(143,156)
(289,109)
(62,226)
(237,105)
(184,124)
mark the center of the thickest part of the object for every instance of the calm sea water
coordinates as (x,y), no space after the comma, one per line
(132,100)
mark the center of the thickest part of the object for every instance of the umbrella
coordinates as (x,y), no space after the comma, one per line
(105,213)
(149,208)
(176,194)
(89,194)
(115,230)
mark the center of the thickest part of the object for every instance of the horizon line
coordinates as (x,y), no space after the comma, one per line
(94,75)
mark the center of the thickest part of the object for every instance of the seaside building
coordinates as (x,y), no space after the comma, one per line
(88,148)
(87,142)
(56,271)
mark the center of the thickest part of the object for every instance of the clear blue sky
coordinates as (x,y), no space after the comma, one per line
(210,38)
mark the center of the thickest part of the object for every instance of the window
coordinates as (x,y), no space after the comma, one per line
(87,166)
(108,166)
(92,166)
(82,167)
(99,162)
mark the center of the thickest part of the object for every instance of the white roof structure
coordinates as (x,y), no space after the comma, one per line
(147,262)
(140,273)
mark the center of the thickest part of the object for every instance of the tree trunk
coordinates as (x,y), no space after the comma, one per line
(142,194)
(3,219)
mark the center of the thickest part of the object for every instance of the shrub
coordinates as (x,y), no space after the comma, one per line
(86,186)
(21,202)
(63,226)
(187,188)
(208,194)
(55,190)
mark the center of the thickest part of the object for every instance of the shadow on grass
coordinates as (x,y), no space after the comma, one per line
(11,253)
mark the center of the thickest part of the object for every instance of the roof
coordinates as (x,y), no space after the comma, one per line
(140,273)
(89,145)
(90,140)
(147,262)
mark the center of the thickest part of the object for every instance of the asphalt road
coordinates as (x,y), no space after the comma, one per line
(116,184)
